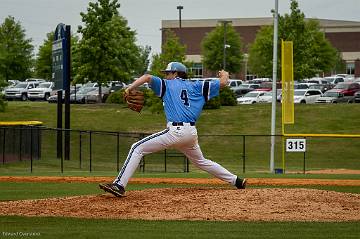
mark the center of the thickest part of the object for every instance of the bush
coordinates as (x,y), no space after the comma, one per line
(116,97)
(214,103)
(154,103)
(227,97)
(3,103)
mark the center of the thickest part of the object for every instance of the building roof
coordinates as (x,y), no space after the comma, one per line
(326,24)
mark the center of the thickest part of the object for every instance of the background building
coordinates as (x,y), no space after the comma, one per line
(343,35)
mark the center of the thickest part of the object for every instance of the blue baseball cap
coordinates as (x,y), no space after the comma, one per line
(175,67)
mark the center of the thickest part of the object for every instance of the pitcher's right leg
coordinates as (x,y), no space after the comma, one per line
(147,145)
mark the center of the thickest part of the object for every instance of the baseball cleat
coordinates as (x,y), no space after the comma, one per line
(113,188)
(240,183)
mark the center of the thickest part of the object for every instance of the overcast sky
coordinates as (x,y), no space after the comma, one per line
(38,17)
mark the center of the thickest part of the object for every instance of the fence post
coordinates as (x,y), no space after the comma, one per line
(118,152)
(304,158)
(38,143)
(80,144)
(31,149)
(20,143)
(244,153)
(90,149)
(165,154)
(62,156)
(4,138)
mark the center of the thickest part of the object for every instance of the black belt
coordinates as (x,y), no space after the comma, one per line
(182,123)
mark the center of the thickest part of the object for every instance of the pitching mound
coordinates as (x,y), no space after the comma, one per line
(200,203)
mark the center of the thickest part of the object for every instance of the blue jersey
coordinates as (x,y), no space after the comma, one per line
(184,99)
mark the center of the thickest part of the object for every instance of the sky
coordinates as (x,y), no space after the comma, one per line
(39,17)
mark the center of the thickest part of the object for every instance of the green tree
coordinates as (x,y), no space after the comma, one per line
(43,63)
(172,50)
(313,53)
(107,50)
(143,62)
(16,51)
(212,49)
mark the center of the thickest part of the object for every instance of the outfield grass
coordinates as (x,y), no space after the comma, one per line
(214,128)
(244,119)
(49,227)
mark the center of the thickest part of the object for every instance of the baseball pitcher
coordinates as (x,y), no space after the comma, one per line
(183,103)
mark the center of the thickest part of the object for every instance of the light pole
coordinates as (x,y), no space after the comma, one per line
(225,22)
(180,8)
(274,77)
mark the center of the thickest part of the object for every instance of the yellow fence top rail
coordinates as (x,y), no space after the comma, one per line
(18,123)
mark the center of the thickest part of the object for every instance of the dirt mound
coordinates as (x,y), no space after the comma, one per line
(210,181)
(200,203)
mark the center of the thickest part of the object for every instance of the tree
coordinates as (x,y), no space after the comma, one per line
(16,51)
(212,49)
(172,50)
(313,53)
(143,62)
(107,50)
(43,63)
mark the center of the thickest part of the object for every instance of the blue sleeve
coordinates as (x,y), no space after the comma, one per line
(158,86)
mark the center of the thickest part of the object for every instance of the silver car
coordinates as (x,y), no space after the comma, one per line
(334,97)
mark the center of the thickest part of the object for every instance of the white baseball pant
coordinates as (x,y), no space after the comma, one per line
(183,138)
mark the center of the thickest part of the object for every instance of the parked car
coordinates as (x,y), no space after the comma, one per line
(266,97)
(241,91)
(317,80)
(80,96)
(251,97)
(322,87)
(333,80)
(356,98)
(35,80)
(20,90)
(54,95)
(115,86)
(307,96)
(249,86)
(234,83)
(93,96)
(267,86)
(9,84)
(346,88)
(301,86)
(42,91)
(334,97)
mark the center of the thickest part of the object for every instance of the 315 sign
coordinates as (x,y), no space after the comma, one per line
(295,145)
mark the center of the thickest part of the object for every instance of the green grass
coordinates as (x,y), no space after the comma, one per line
(49,227)
(214,128)
(244,119)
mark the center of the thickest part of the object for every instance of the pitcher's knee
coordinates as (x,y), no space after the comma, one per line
(202,162)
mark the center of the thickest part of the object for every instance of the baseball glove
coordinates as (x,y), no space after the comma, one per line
(134,99)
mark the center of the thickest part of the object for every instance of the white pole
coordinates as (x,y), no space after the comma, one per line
(274,77)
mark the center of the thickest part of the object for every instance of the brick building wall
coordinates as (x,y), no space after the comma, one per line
(343,35)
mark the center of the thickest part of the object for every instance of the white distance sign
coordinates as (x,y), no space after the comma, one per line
(295,145)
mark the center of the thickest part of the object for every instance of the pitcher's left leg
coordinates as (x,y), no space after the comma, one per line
(196,156)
